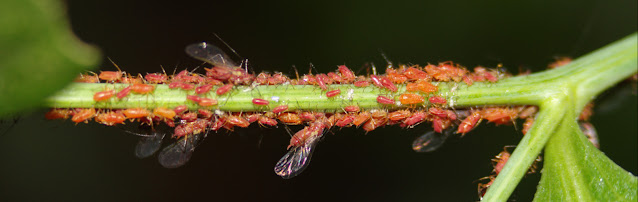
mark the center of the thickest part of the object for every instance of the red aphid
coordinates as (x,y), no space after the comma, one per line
(103,95)
(183,130)
(373,124)
(135,113)
(259,101)
(437,100)
(142,88)
(417,117)
(347,75)
(219,123)
(206,102)
(180,109)
(189,117)
(442,113)
(203,89)
(110,75)
(205,113)
(186,86)
(333,93)
(351,108)
(156,78)
(307,116)
(439,124)
(501,160)
(237,121)
(376,81)
(280,108)
(83,115)
(110,118)
(335,77)
(345,120)
(385,100)
(174,85)
(361,83)
(224,89)
(468,80)
(194,98)
(253,117)
(267,121)
(124,92)
(388,84)
(469,122)
(219,73)
(321,81)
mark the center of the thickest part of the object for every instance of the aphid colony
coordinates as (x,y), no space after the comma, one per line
(410,98)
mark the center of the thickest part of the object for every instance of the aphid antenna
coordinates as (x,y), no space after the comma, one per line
(136,134)
(312,66)
(288,130)
(386,58)
(374,68)
(112,62)
(226,44)
(296,72)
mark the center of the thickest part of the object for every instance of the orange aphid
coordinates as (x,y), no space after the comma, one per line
(423,86)
(85,78)
(164,112)
(361,118)
(500,115)
(110,118)
(103,95)
(587,112)
(83,115)
(131,80)
(290,118)
(410,98)
(397,78)
(110,75)
(528,124)
(135,113)
(415,74)
(399,115)
(57,114)
(142,88)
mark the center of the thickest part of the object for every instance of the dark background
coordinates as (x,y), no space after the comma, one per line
(56,160)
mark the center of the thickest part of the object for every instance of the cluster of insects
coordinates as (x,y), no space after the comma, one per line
(410,98)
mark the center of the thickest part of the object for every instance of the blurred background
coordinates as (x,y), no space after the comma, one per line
(58,160)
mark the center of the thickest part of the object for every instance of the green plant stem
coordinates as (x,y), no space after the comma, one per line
(560,93)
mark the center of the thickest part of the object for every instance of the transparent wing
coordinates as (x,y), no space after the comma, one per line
(296,160)
(210,54)
(429,142)
(178,153)
(148,145)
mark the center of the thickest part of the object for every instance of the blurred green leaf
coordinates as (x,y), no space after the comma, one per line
(575,170)
(38,53)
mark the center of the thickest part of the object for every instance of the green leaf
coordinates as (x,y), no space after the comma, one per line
(575,170)
(38,53)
